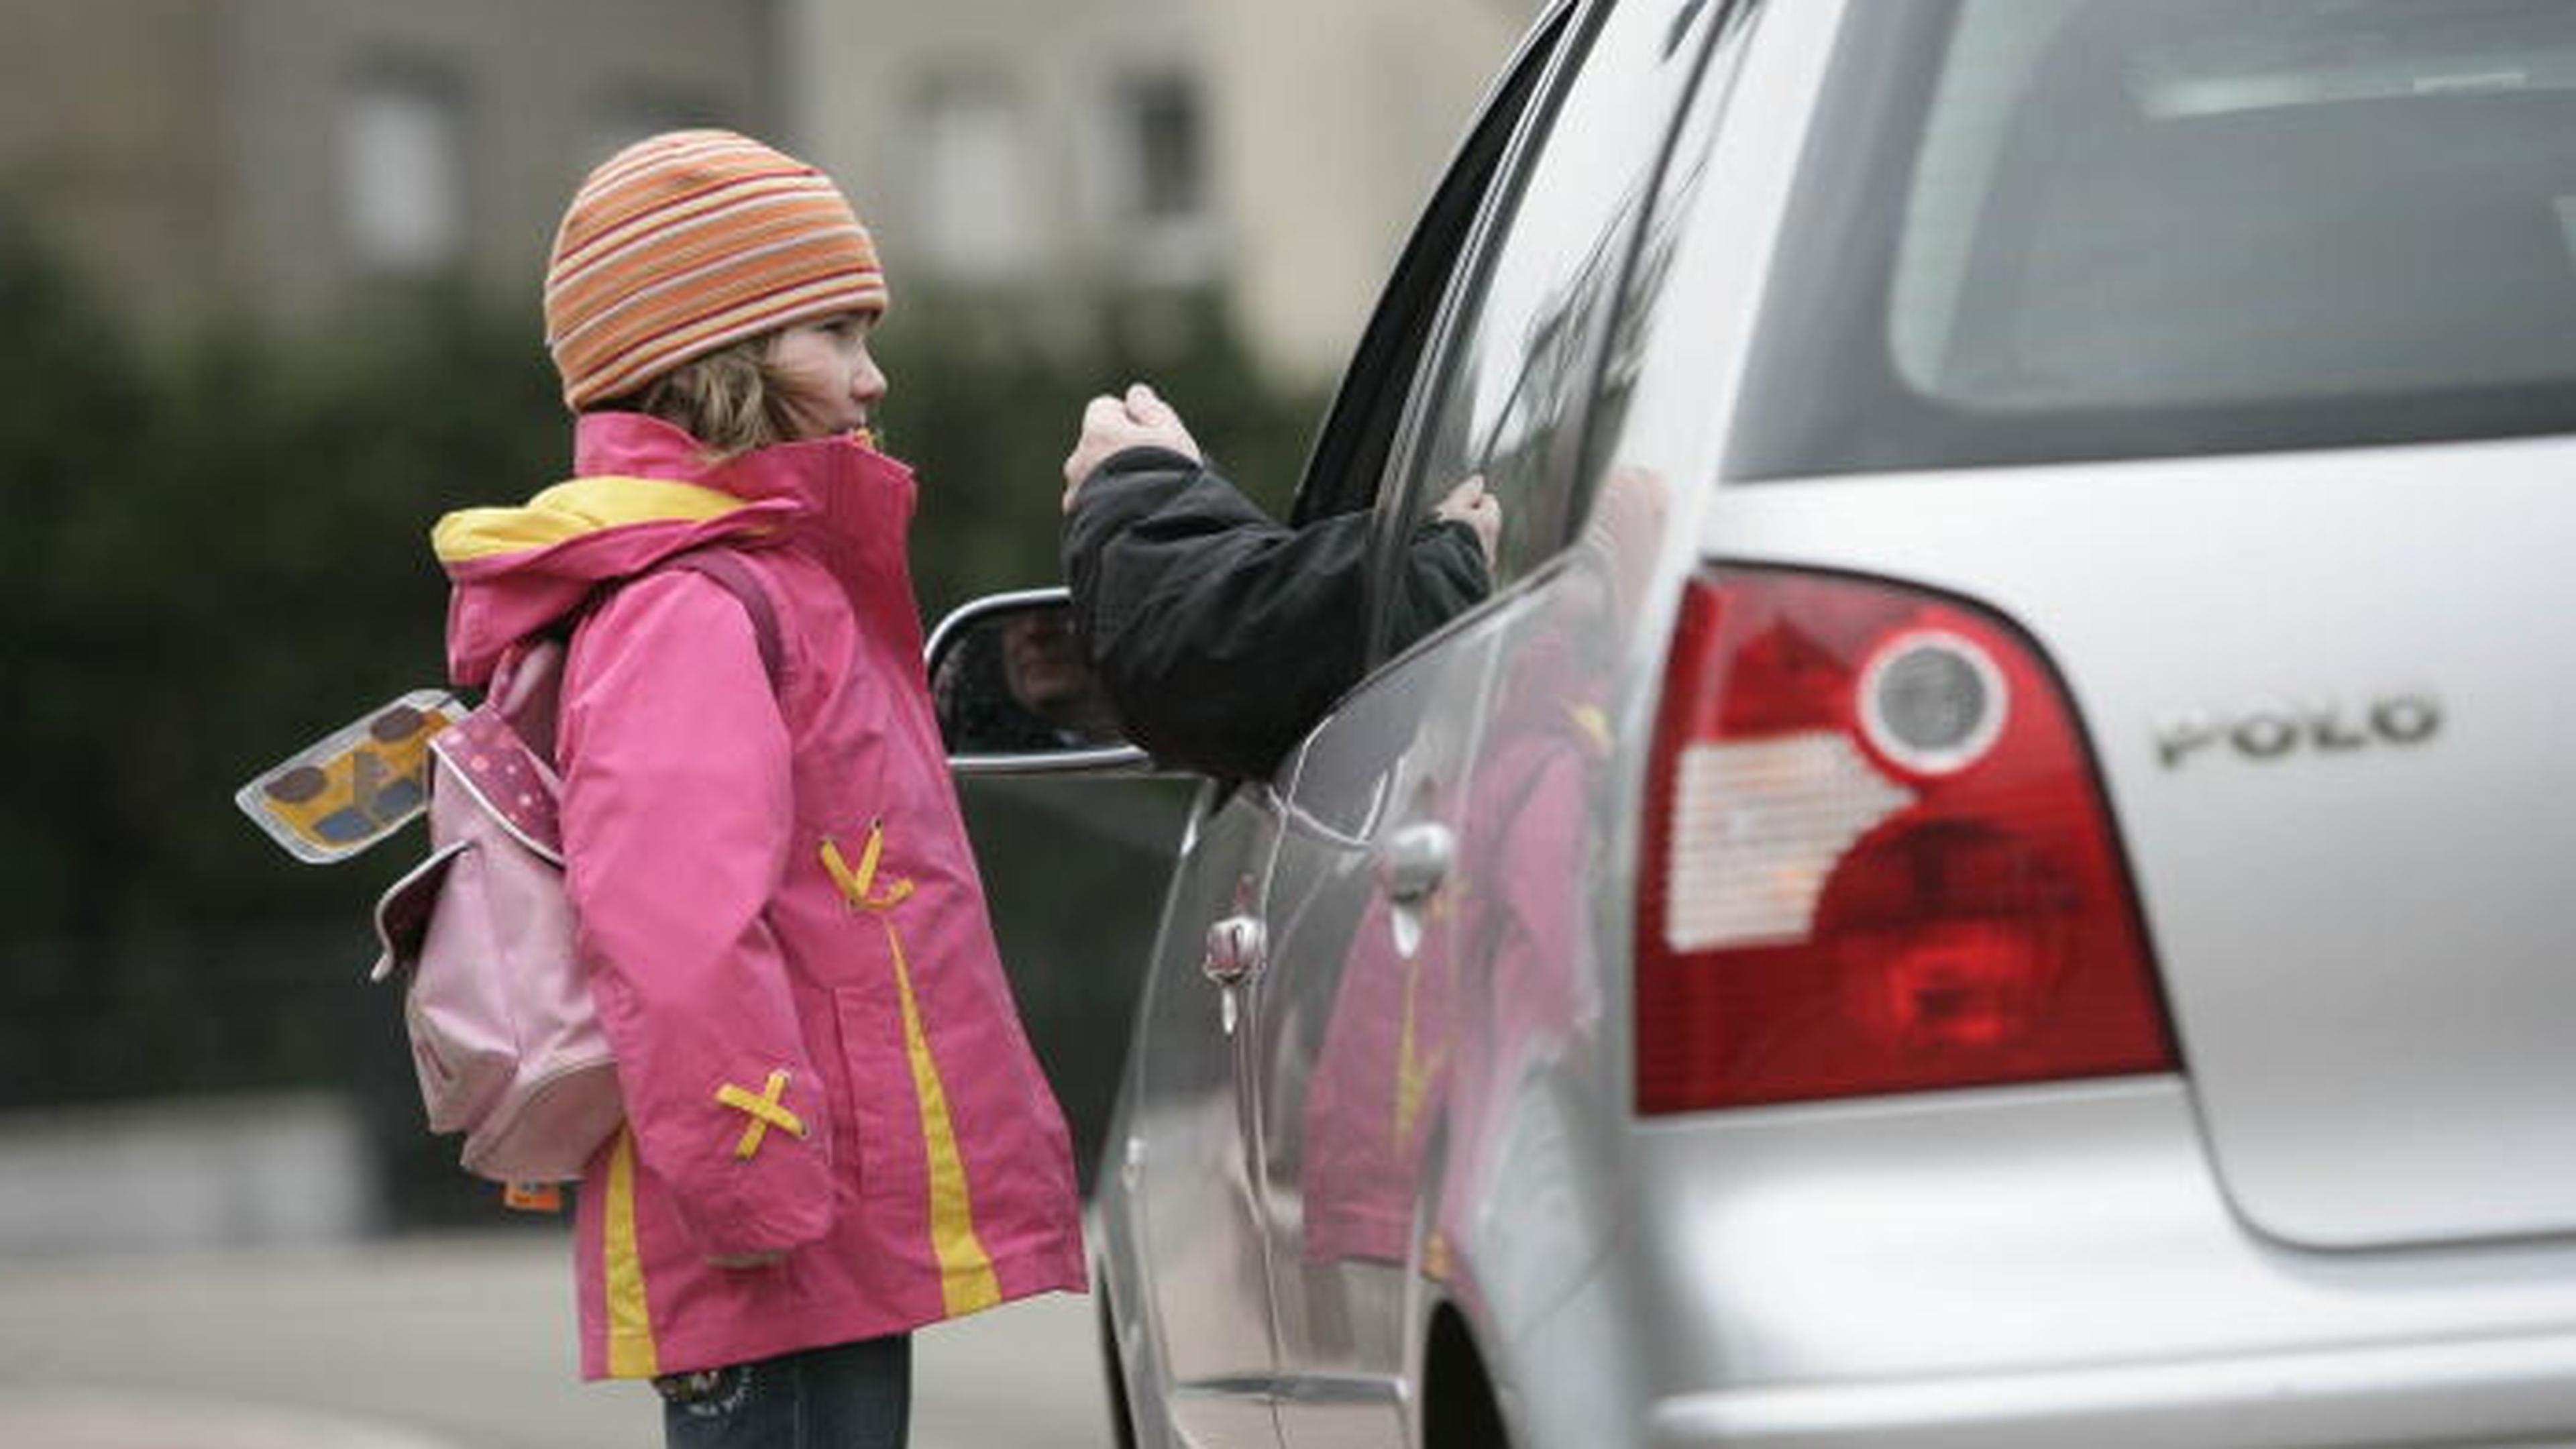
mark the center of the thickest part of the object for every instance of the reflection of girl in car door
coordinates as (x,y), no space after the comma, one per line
(1381,1076)
(1429,1027)
(1428,1044)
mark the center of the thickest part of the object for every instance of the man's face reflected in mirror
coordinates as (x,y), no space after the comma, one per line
(1044,668)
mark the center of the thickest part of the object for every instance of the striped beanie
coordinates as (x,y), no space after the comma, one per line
(690,241)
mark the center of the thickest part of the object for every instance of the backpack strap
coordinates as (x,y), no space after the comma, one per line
(727,568)
(523,686)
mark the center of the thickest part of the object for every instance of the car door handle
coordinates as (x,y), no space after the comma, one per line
(1237,947)
(1416,861)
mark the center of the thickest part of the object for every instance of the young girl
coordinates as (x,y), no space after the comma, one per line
(836,1130)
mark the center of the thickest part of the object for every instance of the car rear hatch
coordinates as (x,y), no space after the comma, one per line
(2331,698)
(2231,351)
(2338,739)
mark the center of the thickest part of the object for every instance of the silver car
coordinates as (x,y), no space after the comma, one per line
(1996,868)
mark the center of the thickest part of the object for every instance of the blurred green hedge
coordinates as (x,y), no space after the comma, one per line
(219,555)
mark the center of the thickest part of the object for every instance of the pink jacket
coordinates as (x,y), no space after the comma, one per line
(787,937)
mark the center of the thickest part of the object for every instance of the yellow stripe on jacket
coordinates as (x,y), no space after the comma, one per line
(631,1351)
(966,1278)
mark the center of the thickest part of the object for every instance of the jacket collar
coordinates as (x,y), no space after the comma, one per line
(859,500)
(633,445)
(647,490)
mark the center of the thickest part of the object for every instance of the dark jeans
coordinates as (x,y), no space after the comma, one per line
(852,1396)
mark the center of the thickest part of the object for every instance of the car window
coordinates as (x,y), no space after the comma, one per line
(2039,230)
(1349,461)
(1510,383)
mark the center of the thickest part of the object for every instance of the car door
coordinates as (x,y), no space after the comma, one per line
(1193,1206)
(1188,1190)
(1379,887)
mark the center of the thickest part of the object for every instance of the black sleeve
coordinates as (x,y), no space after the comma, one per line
(1220,634)
(1444,576)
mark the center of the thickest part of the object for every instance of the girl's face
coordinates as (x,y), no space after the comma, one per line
(833,383)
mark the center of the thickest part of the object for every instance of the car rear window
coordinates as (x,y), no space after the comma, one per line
(2043,230)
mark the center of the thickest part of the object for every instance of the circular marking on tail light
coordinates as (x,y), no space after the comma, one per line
(1932,702)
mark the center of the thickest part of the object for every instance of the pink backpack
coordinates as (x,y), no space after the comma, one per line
(503,1033)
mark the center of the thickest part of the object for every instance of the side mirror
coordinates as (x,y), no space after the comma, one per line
(1015,693)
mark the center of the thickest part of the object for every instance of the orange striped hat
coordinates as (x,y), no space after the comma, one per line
(687,242)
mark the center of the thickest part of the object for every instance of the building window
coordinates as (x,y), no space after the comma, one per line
(1161,122)
(976,186)
(402,174)
(1159,136)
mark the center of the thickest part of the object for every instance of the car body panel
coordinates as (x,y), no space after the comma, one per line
(2319,693)
(2353,920)
(2090,1280)
(1350,1048)
(1185,1195)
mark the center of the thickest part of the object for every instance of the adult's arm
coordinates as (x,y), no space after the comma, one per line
(1221,635)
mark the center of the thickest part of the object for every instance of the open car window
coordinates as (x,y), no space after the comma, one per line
(1515,373)
(1351,452)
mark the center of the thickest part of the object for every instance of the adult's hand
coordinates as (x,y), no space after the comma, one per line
(1112,425)
(1472,504)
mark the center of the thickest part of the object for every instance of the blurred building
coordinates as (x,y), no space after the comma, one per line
(1332,120)
(271,158)
(197,158)
(281,161)
(1056,148)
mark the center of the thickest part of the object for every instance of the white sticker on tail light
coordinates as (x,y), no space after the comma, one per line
(1758,827)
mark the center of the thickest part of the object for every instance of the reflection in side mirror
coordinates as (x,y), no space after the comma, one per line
(1015,693)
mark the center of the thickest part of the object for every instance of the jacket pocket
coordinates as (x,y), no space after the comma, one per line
(876,1078)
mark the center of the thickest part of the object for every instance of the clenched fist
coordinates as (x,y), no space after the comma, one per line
(1112,425)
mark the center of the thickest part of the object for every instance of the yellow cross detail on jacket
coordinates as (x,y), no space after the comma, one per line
(765,1113)
(858,886)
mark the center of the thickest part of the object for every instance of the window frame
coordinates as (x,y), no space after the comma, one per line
(403,89)
(1400,509)
(968,106)
(1374,404)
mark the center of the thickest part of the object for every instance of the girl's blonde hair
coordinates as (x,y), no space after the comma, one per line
(731,399)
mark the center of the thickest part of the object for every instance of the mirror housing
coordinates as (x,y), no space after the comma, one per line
(1015,693)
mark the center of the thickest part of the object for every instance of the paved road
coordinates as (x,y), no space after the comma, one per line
(445,1344)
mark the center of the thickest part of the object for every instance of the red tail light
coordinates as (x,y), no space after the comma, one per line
(1875,859)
